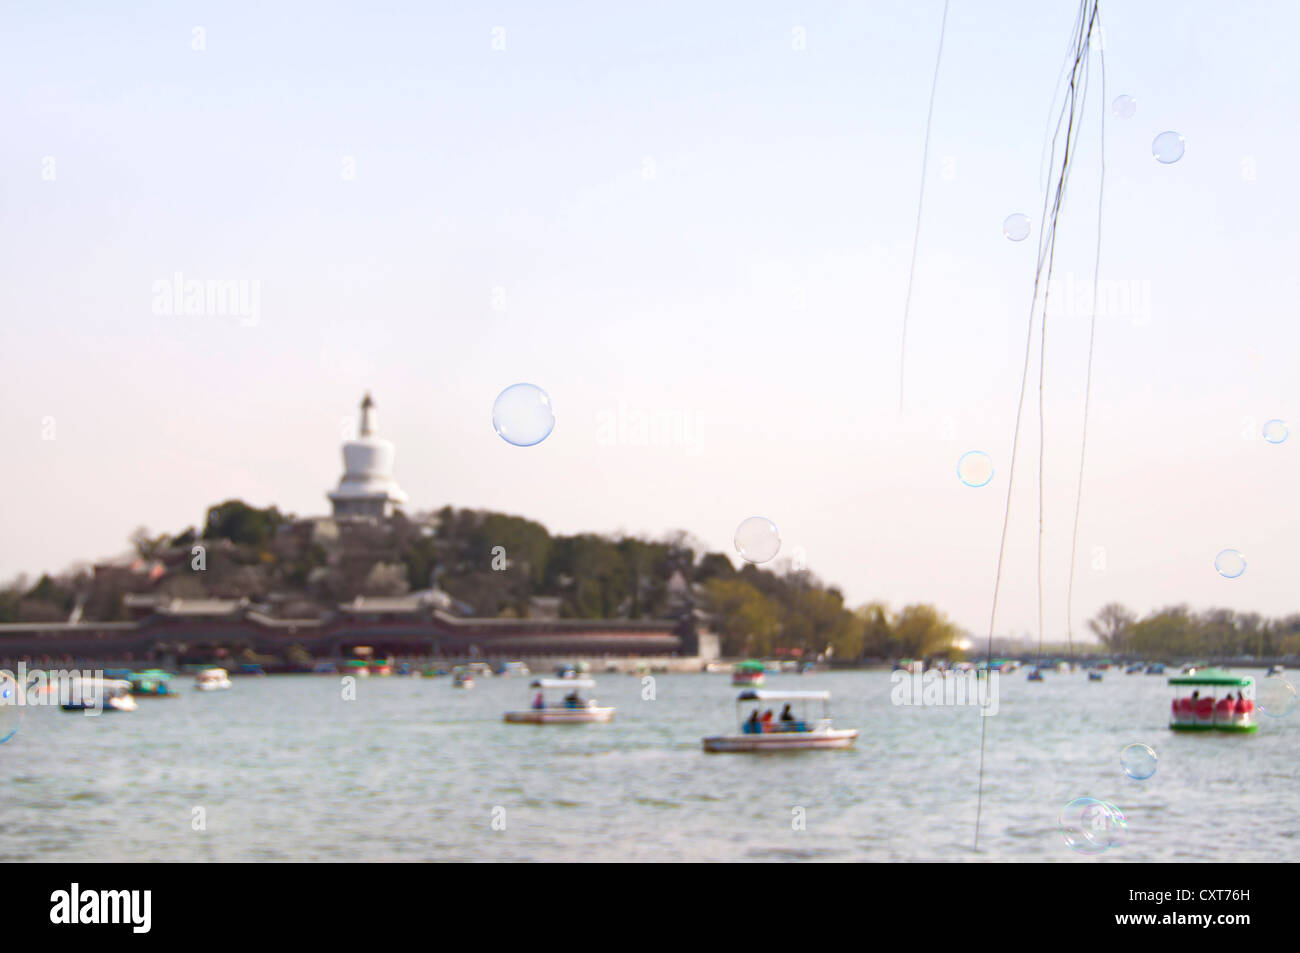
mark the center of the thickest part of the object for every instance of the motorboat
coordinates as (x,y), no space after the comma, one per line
(788,733)
(572,709)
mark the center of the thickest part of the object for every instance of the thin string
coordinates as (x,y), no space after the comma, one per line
(1047,251)
(1087,386)
(920,205)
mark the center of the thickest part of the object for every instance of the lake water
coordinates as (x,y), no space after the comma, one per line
(284,769)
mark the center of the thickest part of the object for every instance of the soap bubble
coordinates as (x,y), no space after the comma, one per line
(1016,227)
(522,415)
(1138,761)
(11,713)
(975,468)
(1275,431)
(1275,696)
(757,539)
(1168,147)
(1125,107)
(1091,826)
(1230,564)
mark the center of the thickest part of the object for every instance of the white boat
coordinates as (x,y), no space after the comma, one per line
(462,679)
(212,680)
(573,709)
(107,694)
(789,733)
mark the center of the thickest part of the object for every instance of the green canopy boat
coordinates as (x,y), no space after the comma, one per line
(152,683)
(1211,706)
(748,672)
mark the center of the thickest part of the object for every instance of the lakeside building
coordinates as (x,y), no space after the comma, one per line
(413,625)
(426,623)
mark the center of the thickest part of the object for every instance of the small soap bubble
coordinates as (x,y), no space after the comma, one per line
(1138,761)
(1016,227)
(757,539)
(11,712)
(1125,107)
(1230,564)
(1090,826)
(1275,431)
(975,468)
(1275,696)
(522,415)
(1168,147)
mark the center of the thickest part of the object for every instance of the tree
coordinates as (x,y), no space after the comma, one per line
(922,630)
(747,621)
(1112,627)
(240,523)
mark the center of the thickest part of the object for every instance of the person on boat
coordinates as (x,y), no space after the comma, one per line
(571,699)
(752,726)
(539,701)
(767,720)
(786,713)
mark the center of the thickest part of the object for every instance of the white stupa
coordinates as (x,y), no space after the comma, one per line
(367,488)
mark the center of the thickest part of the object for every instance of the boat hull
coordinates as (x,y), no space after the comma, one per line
(559,716)
(1191,726)
(783,741)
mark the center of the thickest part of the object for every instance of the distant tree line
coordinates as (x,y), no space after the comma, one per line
(1180,632)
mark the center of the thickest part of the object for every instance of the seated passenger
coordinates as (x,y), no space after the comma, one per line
(786,714)
(767,720)
(539,701)
(752,726)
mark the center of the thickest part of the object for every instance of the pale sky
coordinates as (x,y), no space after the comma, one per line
(671,210)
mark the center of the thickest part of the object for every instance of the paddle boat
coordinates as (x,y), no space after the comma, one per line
(792,734)
(462,678)
(152,683)
(1156,668)
(1094,676)
(573,708)
(1035,675)
(1134,669)
(1205,710)
(114,694)
(748,672)
(1276,670)
(212,680)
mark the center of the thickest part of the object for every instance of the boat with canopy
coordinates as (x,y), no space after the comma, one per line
(572,709)
(748,672)
(789,732)
(1216,702)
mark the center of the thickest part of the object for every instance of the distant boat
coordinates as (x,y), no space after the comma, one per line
(462,678)
(572,710)
(114,695)
(748,672)
(1156,668)
(1276,670)
(1133,669)
(212,680)
(1035,675)
(1094,676)
(796,734)
(152,683)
